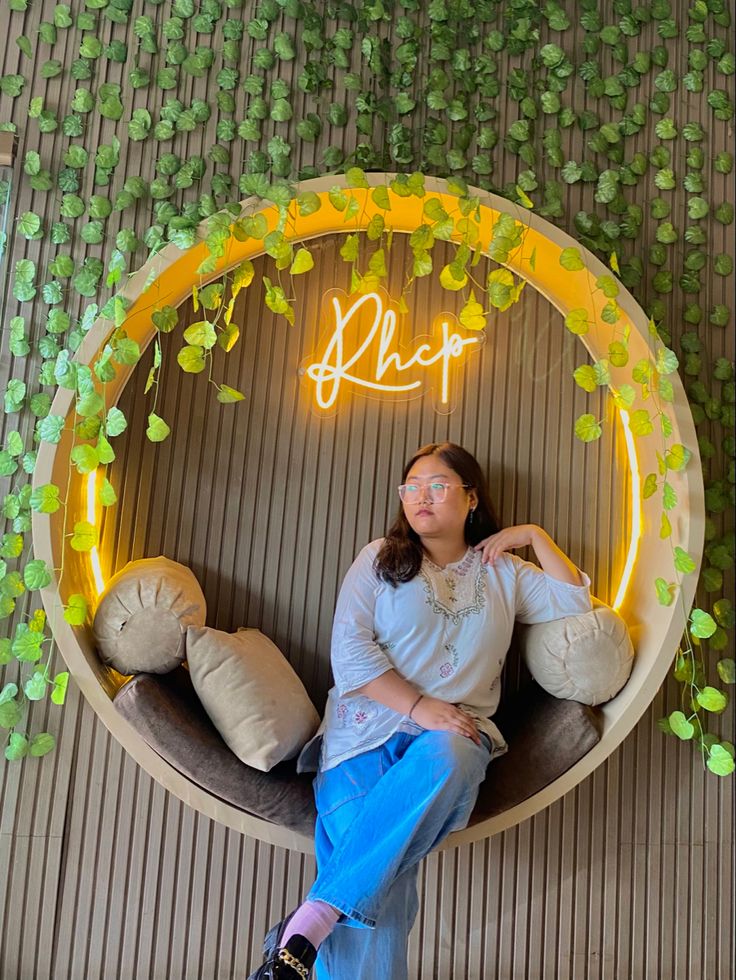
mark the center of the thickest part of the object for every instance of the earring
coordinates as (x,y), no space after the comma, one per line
(470,517)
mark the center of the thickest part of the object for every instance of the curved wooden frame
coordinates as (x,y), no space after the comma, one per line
(167,278)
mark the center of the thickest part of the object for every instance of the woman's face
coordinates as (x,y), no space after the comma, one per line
(432,519)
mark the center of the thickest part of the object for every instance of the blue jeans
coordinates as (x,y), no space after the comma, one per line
(379,814)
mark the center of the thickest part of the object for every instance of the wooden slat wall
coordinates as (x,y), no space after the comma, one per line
(106,875)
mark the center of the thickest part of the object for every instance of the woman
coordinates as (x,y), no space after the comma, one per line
(422,626)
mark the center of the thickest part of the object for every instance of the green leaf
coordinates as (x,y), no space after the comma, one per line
(29,225)
(12,85)
(84,537)
(377,264)
(712,700)
(720,761)
(84,458)
(191,359)
(7,606)
(283,45)
(106,494)
(727,670)
(376,227)
(105,452)
(472,316)
(115,422)
(35,686)
(276,300)
(16,748)
(712,579)
(126,351)
(50,428)
(702,625)
(640,422)
(669,497)
(15,394)
(379,196)
(45,499)
(200,334)
(61,683)
(576,321)
(308,203)
(72,206)
(11,712)
(14,443)
(571,259)
(19,345)
(157,429)
(681,726)
(51,68)
(587,428)
(665,591)
(350,248)
(677,457)
(89,404)
(11,545)
(36,575)
(450,282)
(303,262)
(226,394)
(75,612)
(42,744)
(683,561)
(585,377)
(667,362)
(27,644)
(503,289)
(422,265)
(7,694)
(8,465)
(723,611)
(697,208)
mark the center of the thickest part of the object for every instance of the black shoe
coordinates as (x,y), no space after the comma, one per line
(272,942)
(293,962)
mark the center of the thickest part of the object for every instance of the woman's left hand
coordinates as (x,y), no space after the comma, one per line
(509,538)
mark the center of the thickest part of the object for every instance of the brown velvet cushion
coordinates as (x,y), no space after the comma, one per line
(546,736)
(167,714)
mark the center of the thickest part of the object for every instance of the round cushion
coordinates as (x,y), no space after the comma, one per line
(143,615)
(585,658)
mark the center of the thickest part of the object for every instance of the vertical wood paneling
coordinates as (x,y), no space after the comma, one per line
(106,876)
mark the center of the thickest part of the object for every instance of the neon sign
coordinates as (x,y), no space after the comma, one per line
(362,350)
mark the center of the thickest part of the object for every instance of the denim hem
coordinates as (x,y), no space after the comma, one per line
(351,913)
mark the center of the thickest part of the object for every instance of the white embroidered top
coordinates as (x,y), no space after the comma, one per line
(447,632)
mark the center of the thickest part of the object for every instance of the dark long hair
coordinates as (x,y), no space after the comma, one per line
(400,556)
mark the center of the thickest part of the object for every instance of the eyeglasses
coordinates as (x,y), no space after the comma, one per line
(412,493)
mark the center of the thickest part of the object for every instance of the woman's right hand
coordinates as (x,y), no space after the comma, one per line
(437,715)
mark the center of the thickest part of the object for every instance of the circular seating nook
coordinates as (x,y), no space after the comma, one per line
(269,516)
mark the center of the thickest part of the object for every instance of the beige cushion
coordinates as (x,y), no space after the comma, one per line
(585,658)
(143,615)
(251,693)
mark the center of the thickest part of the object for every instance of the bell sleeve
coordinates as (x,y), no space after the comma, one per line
(541,597)
(356,657)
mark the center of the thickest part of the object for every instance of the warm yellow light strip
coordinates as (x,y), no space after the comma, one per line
(636,517)
(94,555)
